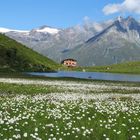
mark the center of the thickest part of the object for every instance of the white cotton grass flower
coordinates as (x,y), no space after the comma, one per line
(75,108)
(133,128)
(134,137)
(25,135)
(36,129)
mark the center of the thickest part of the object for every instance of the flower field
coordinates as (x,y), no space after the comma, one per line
(69,110)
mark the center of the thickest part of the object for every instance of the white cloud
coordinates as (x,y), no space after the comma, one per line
(132,6)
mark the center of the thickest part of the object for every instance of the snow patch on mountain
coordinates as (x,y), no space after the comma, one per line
(48,30)
(5,30)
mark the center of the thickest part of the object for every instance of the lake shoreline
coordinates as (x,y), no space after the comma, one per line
(88,76)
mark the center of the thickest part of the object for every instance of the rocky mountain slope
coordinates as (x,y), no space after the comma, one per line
(54,44)
(117,43)
(90,44)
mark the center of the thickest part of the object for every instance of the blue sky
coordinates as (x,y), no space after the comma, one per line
(28,14)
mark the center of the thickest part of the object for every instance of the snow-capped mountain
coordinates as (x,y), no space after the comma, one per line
(43,29)
(47,29)
(52,42)
(33,37)
(91,43)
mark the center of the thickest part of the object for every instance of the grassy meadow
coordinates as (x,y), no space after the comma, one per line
(127,67)
(68,109)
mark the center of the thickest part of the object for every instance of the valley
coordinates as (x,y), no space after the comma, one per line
(91,43)
(64,107)
(15,57)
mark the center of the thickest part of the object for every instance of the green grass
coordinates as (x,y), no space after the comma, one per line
(27,113)
(19,89)
(16,57)
(128,67)
(68,120)
(32,89)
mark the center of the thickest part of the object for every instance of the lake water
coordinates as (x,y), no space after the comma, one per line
(90,75)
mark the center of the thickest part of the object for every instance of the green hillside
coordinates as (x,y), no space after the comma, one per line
(17,57)
(128,67)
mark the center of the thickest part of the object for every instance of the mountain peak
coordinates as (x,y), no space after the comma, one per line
(130,18)
(44,26)
(119,18)
(128,23)
(127,19)
(47,29)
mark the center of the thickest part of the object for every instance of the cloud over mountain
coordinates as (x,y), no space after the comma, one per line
(131,6)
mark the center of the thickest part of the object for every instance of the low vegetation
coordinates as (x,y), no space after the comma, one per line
(68,109)
(17,57)
(55,109)
(128,67)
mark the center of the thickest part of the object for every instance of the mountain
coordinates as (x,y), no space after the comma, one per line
(91,43)
(46,29)
(117,43)
(53,42)
(16,57)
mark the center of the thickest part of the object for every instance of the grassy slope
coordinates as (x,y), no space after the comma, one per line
(16,57)
(128,67)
